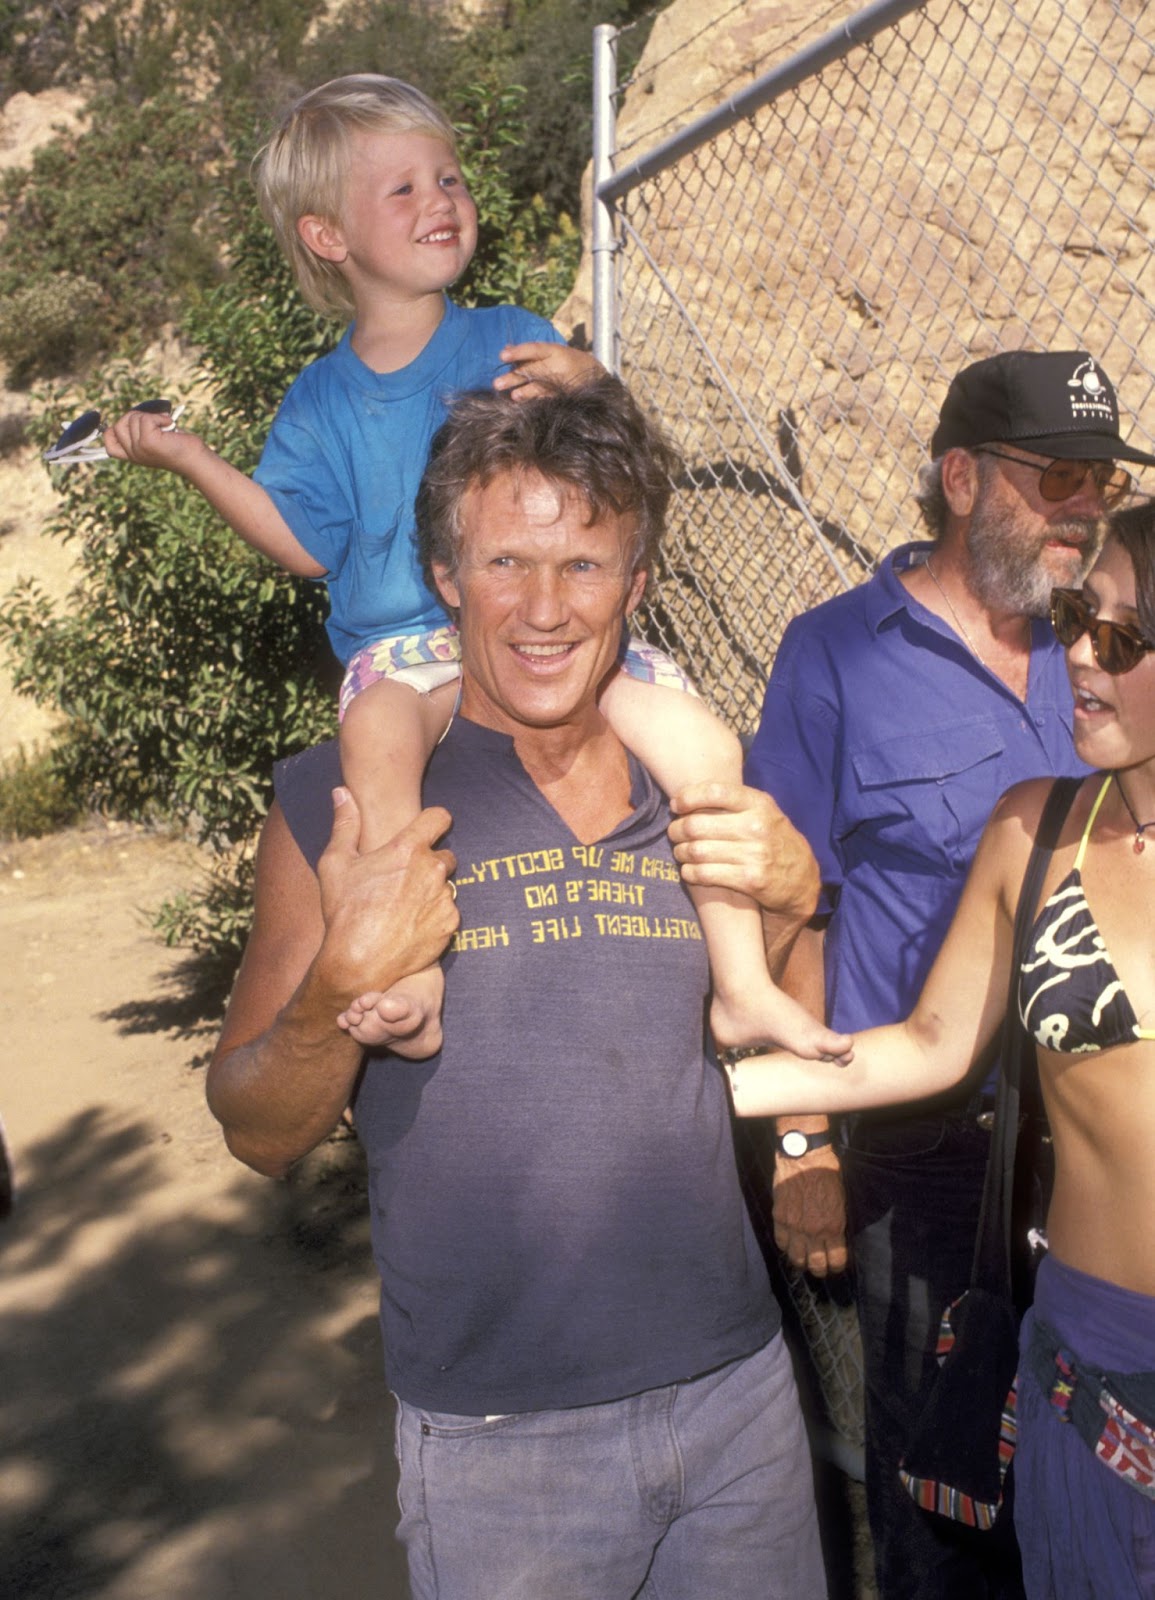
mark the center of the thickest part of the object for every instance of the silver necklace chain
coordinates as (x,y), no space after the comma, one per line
(974,650)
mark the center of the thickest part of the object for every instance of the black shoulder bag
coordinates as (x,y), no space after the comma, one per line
(963,1442)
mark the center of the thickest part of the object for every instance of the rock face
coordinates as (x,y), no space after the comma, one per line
(796,294)
(693,60)
(29,120)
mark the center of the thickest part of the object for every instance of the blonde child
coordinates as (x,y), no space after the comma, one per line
(362,186)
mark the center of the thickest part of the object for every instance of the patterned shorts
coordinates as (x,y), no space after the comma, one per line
(425,661)
(422,660)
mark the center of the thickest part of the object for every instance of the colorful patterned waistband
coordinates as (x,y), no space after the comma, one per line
(1112,1412)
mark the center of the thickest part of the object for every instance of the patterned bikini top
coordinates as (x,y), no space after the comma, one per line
(1070,996)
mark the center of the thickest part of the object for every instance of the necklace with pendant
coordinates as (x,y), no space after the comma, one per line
(1140,843)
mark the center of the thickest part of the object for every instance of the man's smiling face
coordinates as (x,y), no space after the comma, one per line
(542,593)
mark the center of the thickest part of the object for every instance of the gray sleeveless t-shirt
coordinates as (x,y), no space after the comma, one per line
(556,1212)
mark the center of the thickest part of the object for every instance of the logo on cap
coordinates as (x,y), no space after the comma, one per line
(1090,395)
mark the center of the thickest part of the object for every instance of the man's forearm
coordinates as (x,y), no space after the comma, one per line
(280,1094)
(794,955)
(801,974)
(284,1069)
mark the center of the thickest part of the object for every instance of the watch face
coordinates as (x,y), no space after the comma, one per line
(794,1143)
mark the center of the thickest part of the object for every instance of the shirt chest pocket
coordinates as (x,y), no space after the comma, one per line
(925,796)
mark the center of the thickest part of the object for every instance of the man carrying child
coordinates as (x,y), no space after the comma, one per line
(594,1395)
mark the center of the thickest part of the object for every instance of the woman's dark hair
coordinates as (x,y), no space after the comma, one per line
(1134,527)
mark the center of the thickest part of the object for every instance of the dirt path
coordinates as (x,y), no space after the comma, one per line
(192,1405)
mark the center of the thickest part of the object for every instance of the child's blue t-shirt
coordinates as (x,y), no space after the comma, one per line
(345,456)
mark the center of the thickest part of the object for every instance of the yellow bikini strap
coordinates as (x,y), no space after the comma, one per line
(1106,784)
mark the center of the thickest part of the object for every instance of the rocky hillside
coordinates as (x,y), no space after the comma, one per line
(698,53)
(26,495)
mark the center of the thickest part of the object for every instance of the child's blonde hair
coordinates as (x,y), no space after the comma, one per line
(301,171)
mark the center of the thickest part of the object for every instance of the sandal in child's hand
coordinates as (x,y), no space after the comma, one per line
(83,439)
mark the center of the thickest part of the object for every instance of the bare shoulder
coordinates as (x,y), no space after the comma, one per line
(1020,810)
(1013,827)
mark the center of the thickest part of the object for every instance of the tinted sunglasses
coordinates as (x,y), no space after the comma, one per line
(1059,480)
(1116,647)
(81,440)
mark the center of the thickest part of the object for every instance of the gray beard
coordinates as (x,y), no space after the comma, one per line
(1006,577)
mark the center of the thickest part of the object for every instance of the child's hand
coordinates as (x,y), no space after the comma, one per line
(150,439)
(538,364)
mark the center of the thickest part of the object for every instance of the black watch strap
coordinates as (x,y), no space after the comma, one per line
(795,1143)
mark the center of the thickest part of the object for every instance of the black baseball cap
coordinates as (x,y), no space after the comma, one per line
(1057,403)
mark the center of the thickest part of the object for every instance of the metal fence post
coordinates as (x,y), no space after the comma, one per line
(605,318)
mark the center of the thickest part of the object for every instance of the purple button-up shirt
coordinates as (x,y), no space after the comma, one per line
(887,743)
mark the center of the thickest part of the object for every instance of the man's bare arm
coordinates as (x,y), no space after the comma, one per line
(283,1071)
(736,837)
(809,1199)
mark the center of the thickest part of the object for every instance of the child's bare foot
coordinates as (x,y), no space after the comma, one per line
(767,1016)
(406,1018)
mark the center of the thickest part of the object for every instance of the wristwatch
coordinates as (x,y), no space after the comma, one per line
(796,1143)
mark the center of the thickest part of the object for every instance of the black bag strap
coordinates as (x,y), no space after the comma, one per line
(992,1261)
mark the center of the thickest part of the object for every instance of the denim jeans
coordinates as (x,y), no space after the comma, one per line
(914,1189)
(699,1489)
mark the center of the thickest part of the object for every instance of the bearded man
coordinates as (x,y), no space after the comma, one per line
(895,716)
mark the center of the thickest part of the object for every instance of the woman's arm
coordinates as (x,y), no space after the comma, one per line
(957,1014)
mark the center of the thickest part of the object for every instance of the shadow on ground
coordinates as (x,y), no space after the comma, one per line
(195,1407)
(194,994)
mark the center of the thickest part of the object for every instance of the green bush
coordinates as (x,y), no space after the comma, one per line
(35,797)
(546,49)
(524,256)
(51,326)
(389,36)
(139,48)
(184,662)
(37,44)
(223,59)
(121,209)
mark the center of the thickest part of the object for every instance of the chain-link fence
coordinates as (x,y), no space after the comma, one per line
(790,282)
(794,280)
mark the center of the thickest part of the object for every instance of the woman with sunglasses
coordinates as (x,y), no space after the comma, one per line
(1084,1506)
